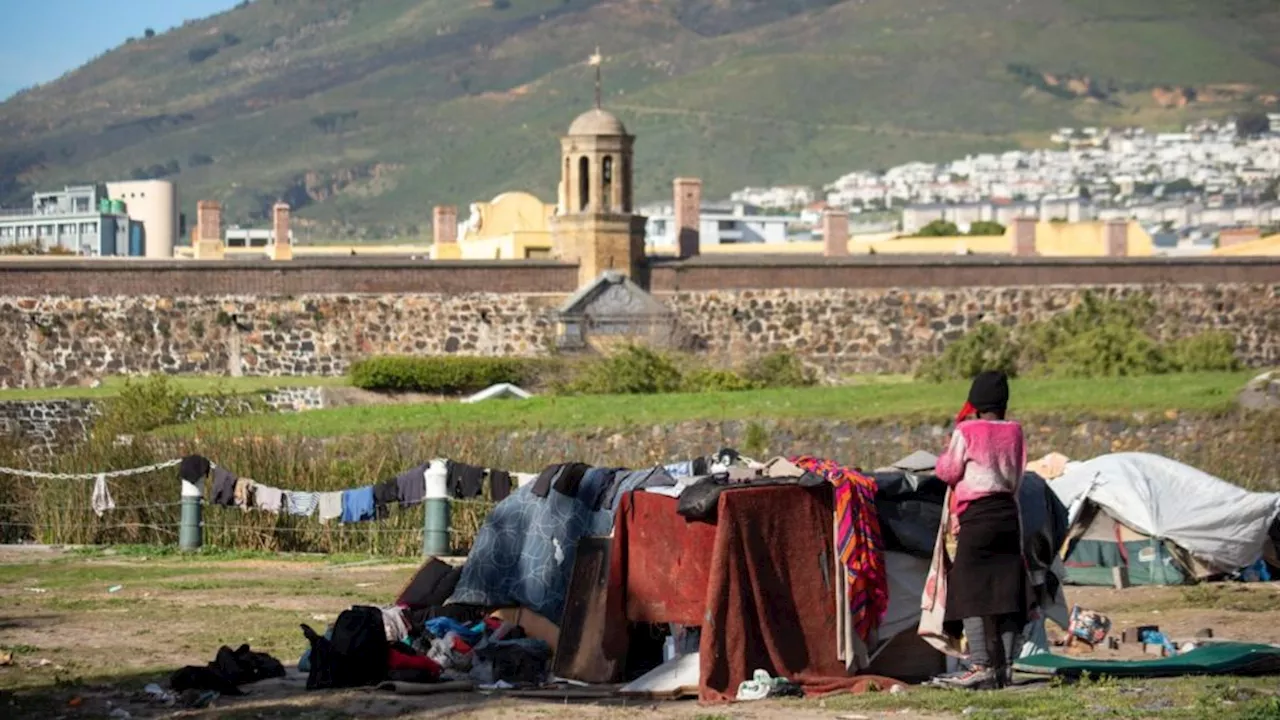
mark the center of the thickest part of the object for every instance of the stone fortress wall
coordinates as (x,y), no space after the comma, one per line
(69,322)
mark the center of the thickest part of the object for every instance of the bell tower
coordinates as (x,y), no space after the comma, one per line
(594,224)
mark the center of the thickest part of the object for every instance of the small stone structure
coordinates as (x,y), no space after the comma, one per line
(612,310)
(48,422)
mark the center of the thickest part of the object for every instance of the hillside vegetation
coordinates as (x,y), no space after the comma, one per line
(365,113)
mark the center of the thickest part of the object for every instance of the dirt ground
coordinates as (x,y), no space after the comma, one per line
(86,631)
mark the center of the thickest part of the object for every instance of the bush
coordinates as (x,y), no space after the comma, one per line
(778,370)
(712,380)
(633,370)
(437,375)
(986,347)
(142,405)
(1206,352)
(1097,338)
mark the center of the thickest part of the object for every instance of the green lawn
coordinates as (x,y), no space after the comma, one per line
(904,401)
(189,384)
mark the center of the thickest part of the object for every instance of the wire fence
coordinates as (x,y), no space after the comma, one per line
(57,509)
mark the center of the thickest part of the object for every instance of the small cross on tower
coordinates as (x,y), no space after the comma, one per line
(596,61)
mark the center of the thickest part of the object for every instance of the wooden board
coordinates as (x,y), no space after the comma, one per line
(582,628)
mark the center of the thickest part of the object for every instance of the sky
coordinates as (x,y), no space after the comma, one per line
(43,39)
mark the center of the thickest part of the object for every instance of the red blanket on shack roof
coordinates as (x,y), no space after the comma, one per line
(760,583)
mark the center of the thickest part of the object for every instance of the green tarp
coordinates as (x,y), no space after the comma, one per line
(1224,658)
(1150,563)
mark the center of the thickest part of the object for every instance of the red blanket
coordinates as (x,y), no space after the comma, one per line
(759,583)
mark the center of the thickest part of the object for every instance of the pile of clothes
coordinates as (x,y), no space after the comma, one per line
(368,645)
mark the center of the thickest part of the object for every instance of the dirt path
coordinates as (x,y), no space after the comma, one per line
(86,633)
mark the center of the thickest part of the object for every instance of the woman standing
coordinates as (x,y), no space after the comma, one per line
(987,585)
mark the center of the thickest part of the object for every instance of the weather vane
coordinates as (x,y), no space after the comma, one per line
(596,61)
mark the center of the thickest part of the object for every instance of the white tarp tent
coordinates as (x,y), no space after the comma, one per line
(1221,525)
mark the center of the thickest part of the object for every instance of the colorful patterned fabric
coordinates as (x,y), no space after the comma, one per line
(858,541)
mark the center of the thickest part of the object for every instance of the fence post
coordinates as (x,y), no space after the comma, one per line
(435,528)
(191,529)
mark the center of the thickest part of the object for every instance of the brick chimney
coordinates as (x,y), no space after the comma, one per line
(444,233)
(208,244)
(835,233)
(283,247)
(688,210)
(1024,237)
(444,225)
(1117,238)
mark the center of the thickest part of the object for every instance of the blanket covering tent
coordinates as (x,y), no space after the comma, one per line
(760,583)
(1223,527)
(523,556)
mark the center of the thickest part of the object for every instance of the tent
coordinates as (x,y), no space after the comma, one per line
(1166,522)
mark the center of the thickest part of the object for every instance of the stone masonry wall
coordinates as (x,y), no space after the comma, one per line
(866,331)
(59,340)
(53,341)
(47,422)
(44,422)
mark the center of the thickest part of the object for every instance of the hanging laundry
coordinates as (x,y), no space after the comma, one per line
(300,503)
(101,498)
(268,499)
(384,494)
(465,481)
(224,487)
(357,505)
(330,505)
(194,468)
(522,479)
(411,485)
(243,493)
(499,485)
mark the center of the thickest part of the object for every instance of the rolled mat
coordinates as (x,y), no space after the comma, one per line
(1225,658)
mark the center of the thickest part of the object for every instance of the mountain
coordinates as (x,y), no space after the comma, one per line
(366,113)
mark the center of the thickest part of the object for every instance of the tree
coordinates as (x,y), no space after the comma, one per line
(149,33)
(1253,124)
(986,228)
(939,228)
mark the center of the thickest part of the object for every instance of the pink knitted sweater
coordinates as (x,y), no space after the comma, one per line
(985,457)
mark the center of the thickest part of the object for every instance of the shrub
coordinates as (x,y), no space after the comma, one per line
(633,370)
(1206,352)
(712,380)
(986,347)
(143,404)
(437,375)
(778,370)
(1097,338)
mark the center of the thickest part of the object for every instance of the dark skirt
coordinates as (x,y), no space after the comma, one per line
(988,576)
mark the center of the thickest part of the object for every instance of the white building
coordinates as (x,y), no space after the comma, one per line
(718,225)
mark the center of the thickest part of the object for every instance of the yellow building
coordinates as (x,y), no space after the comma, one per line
(1267,246)
(514,225)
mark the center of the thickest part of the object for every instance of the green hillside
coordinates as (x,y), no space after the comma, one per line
(365,113)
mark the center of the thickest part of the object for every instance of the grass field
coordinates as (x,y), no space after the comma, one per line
(188,384)
(1206,393)
(71,638)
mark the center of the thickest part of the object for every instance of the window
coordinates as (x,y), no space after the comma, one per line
(584,183)
(606,179)
(728,224)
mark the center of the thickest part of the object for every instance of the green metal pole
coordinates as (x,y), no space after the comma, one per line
(191,529)
(435,528)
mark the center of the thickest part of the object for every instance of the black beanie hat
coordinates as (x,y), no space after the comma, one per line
(990,392)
